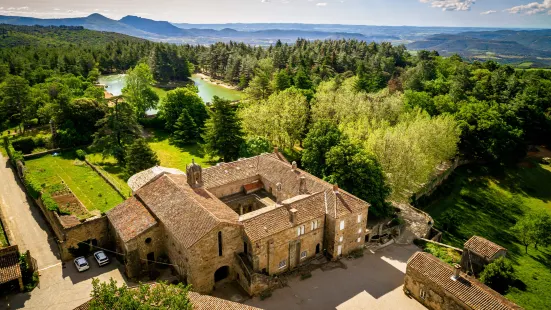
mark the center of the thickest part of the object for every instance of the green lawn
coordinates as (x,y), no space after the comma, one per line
(173,156)
(489,204)
(116,173)
(85,183)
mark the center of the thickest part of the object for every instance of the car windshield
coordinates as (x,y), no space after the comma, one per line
(81,262)
(101,256)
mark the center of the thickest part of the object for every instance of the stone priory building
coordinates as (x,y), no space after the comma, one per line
(246,220)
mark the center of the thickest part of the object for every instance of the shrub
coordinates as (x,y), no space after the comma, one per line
(265,294)
(41,141)
(499,275)
(305,275)
(357,253)
(24,144)
(33,186)
(49,202)
(81,154)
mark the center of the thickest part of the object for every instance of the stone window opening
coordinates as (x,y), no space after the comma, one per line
(359,218)
(422,294)
(147,240)
(359,239)
(300,230)
(342,225)
(282,264)
(303,254)
(315,224)
(219,243)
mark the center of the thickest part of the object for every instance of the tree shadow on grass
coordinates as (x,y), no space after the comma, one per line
(541,257)
(529,179)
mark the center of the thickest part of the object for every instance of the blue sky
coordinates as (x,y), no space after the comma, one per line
(493,13)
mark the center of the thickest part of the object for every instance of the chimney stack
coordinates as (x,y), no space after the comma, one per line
(456,270)
(293,215)
(294,165)
(302,185)
(335,188)
(276,150)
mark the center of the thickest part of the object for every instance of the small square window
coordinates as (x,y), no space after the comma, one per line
(340,239)
(303,254)
(359,218)
(342,225)
(359,231)
(422,294)
(282,264)
(359,239)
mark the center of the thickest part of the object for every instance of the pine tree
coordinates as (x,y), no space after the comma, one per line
(185,130)
(140,157)
(223,134)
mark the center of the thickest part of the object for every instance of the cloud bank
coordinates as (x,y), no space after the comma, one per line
(452,5)
(532,8)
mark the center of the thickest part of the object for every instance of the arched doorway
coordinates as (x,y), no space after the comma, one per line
(221,273)
(317,248)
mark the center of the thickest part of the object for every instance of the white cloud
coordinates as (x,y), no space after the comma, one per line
(488,12)
(532,8)
(321,4)
(265,1)
(451,5)
(56,9)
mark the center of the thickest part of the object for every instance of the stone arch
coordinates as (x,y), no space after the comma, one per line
(221,273)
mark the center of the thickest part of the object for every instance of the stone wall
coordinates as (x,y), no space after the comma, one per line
(435,298)
(287,245)
(106,178)
(231,188)
(92,229)
(474,264)
(351,237)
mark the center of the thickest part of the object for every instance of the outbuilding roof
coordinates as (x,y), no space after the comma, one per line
(130,219)
(466,289)
(483,247)
(9,264)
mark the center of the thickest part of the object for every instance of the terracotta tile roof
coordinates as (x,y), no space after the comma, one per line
(138,180)
(188,213)
(206,302)
(278,219)
(9,264)
(225,173)
(483,247)
(466,289)
(130,219)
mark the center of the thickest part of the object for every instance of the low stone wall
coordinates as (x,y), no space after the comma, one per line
(106,178)
(443,173)
(40,154)
(442,245)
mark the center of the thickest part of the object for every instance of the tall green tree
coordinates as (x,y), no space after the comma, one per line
(323,136)
(254,146)
(76,121)
(223,134)
(359,173)
(179,99)
(118,129)
(138,91)
(260,87)
(162,296)
(15,98)
(185,130)
(139,157)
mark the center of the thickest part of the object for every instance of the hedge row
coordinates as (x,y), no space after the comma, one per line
(12,153)
(28,144)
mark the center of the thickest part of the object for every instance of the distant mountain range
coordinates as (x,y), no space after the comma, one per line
(509,46)
(165,31)
(504,45)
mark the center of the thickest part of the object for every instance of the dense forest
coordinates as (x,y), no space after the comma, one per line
(372,117)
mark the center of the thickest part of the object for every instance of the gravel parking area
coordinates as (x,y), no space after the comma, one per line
(373,281)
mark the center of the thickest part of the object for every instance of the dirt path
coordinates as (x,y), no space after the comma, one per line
(27,227)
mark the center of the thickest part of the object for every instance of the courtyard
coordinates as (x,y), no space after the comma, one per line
(373,281)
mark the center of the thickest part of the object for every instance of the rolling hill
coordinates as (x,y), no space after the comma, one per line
(11,36)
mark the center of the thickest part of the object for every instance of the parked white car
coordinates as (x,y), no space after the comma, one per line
(81,264)
(101,258)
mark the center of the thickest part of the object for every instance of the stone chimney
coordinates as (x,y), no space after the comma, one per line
(294,165)
(302,185)
(456,270)
(293,215)
(335,188)
(276,150)
(279,194)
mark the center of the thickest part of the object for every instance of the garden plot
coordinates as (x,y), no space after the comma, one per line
(85,183)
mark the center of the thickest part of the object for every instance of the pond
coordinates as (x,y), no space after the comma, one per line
(207,89)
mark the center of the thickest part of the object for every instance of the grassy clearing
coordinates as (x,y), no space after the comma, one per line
(173,156)
(448,255)
(110,167)
(488,204)
(85,183)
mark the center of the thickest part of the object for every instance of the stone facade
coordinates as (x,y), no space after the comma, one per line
(247,221)
(439,286)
